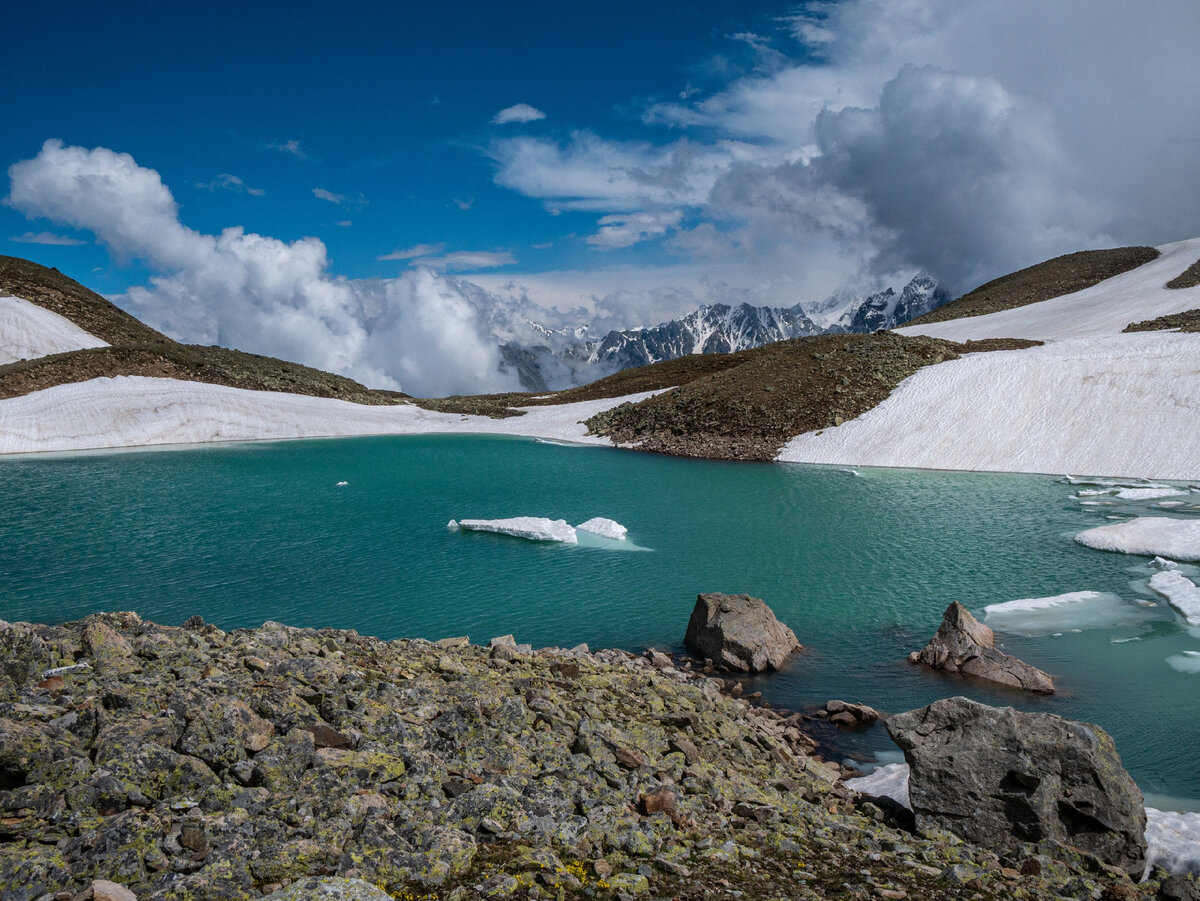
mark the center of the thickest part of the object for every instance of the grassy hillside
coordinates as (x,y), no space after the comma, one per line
(1053,278)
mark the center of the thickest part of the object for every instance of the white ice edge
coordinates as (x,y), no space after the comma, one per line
(1172,837)
(135,411)
(1180,592)
(28,331)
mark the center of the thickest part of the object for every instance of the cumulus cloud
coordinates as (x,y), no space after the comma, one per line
(520,112)
(48,238)
(230,183)
(970,137)
(420,333)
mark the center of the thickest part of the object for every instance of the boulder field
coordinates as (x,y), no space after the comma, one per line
(158,762)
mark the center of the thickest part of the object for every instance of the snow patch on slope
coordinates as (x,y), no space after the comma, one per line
(1122,405)
(1102,309)
(133,411)
(28,331)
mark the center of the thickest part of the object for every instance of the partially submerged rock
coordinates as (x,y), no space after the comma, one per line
(738,632)
(1000,778)
(844,713)
(964,645)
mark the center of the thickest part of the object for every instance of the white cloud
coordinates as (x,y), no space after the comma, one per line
(421,333)
(291,147)
(322,194)
(972,137)
(230,183)
(521,112)
(465,260)
(625,230)
(48,238)
(417,250)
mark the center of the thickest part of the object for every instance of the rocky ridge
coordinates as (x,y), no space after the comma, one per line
(187,762)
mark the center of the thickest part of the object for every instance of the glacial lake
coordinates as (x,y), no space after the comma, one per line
(861,566)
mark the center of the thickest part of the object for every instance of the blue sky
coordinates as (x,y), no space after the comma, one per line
(388,105)
(392,190)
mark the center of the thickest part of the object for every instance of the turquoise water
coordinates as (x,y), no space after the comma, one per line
(860,566)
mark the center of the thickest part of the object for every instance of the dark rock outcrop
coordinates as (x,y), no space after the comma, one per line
(738,632)
(964,645)
(1001,778)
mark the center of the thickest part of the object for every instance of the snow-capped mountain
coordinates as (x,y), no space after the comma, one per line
(547,358)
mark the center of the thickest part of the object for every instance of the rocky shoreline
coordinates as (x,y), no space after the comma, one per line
(187,762)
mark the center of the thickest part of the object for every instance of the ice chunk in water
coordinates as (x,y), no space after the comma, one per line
(1180,592)
(1187,662)
(1069,612)
(605,528)
(1177,539)
(534,528)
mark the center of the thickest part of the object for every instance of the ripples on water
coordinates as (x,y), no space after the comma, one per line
(860,566)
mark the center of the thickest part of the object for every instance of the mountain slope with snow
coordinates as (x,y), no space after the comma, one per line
(1090,400)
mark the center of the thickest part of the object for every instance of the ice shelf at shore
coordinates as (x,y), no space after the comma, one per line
(1172,837)
(533,528)
(1175,539)
(1060,613)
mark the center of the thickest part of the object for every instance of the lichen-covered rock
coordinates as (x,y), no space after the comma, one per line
(212,766)
(738,632)
(964,645)
(1000,778)
(329,888)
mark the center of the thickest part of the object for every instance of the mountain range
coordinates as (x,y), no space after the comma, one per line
(548,359)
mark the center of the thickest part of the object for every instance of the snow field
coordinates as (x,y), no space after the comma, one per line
(134,411)
(1103,309)
(1125,405)
(28,331)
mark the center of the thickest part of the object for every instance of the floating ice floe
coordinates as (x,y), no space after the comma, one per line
(1172,837)
(1177,539)
(341,484)
(1186,662)
(1070,612)
(1146,494)
(1180,592)
(533,528)
(1163,563)
(605,528)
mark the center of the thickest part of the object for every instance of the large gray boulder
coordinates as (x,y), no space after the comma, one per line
(998,777)
(738,632)
(964,645)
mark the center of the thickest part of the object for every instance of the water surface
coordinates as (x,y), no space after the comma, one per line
(861,566)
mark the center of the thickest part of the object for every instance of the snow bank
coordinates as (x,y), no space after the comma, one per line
(28,331)
(889,781)
(1173,838)
(605,528)
(1152,536)
(1124,405)
(1073,611)
(1180,592)
(132,411)
(1103,309)
(1174,841)
(533,528)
